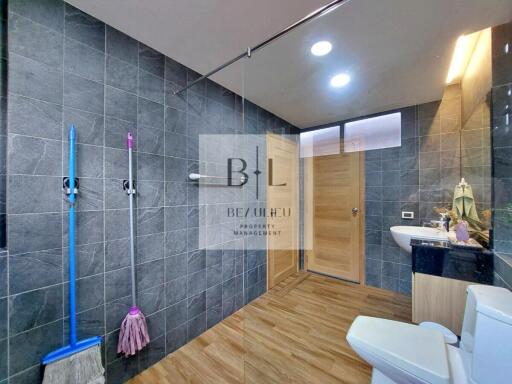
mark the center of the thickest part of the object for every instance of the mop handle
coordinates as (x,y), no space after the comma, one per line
(132,240)
(72,266)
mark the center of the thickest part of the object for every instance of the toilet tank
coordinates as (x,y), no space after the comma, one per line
(487,334)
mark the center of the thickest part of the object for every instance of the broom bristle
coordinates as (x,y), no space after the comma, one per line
(84,367)
(133,335)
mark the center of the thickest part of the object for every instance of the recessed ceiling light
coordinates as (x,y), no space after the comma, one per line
(340,80)
(321,48)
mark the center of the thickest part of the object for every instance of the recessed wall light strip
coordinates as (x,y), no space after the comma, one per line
(313,15)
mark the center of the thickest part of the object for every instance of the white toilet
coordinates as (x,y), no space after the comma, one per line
(405,353)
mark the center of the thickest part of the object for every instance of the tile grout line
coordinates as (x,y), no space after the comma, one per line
(8,266)
(166,185)
(206,245)
(66,316)
(187,193)
(23,96)
(104,205)
(63,162)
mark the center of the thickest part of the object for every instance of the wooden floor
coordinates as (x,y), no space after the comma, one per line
(295,333)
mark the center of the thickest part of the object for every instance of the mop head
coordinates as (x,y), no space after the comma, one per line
(133,335)
(84,367)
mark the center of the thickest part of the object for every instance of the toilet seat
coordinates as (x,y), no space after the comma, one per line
(419,352)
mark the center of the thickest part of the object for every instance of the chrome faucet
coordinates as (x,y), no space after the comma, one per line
(443,222)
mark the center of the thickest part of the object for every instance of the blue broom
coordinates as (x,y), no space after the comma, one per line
(80,361)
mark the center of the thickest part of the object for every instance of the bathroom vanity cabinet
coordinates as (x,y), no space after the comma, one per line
(441,275)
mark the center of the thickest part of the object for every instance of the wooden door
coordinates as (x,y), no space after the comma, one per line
(334,215)
(283,198)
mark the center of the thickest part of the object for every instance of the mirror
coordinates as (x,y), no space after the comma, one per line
(471,89)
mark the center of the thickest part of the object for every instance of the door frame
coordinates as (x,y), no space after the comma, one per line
(308,210)
(273,136)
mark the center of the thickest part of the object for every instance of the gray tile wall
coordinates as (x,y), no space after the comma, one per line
(3,179)
(502,153)
(66,67)
(416,177)
(392,185)
(3,120)
(419,176)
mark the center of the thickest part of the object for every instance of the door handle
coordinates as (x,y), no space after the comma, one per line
(355,211)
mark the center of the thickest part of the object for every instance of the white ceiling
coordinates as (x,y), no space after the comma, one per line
(396,51)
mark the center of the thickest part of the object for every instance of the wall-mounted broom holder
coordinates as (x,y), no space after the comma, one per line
(65,185)
(126,187)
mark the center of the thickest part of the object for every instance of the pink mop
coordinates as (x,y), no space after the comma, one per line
(133,335)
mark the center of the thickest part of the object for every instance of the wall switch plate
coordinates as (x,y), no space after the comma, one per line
(407,215)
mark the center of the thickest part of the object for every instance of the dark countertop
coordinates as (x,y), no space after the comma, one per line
(440,258)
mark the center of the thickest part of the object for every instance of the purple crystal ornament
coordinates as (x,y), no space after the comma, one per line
(461,231)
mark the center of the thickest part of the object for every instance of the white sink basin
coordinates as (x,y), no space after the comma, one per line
(403,235)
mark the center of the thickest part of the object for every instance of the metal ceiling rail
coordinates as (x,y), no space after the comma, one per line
(313,15)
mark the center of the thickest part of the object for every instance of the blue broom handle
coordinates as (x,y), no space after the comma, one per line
(72,262)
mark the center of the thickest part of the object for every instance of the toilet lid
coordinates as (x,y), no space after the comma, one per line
(418,351)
